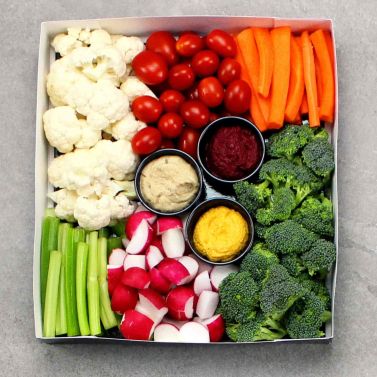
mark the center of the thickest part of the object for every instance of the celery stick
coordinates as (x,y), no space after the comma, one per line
(104,319)
(92,286)
(81,270)
(52,288)
(107,317)
(113,243)
(78,235)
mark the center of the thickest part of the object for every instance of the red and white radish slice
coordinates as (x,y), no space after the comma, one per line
(152,304)
(166,223)
(136,277)
(207,304)
(219,273)
(203,266)
(175,323)
(136,326)
(194,332)
(153,256)
(116,257)
(123,298)
(216,327)
(136,218)
(158,282)
(192,267)
(173,243)
(125,242)
(180,302)
(202,283)
(165,332)
(141,239)
(156,316)
(158,243)
(173,271)
(134,261)
(114,275)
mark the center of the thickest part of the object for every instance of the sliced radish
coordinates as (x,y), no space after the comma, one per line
(141,239)
(207,304)
(173,271)
(158,282)
(173,243)
(202,283)
(180,302)
(114,274)
(219,273)
(134,261)
(165,332)
(203,266)
(175,323)
(156,316)
(194,332)
(125,242)
(116,257)
(153,256)
(136,326)
(216,327)
(158,243)
(136,277)
(166,223)
(135,219)
(192,267)
(123,298)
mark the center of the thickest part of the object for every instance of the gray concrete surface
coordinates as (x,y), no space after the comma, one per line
(354,350)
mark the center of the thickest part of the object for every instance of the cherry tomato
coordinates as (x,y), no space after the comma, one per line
(205,63)
(211,92)
(213,117)
(193,93)
(237,97)
(167,144)
(171,100)
(229,70)
(181,76)
(150,67)
(146,141)
(188,141)
(222,43)
(170,125)
(189,44)
(163,43)
(147,109)
(195,113)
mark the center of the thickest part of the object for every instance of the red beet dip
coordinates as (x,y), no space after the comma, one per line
(233,152)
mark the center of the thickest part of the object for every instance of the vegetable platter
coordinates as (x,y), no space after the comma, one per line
(186,180)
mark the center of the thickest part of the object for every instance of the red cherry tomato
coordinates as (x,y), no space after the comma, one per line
(163,43)
(205,63)
(170,125)
(167,144)
(222,43)
(189,44)
(193,93)
(181,77)
(195,113)
(229,70)
(150,67)
(237,97)
(213,117)
(171,100)
(188,141)
(146,141)
(211,92)
(147,109)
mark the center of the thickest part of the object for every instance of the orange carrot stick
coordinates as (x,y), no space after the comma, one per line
(266,59)
(327,104)
(304,109)
(318,80)
(330,48)
(281,41)
(296,83)
(297,119)
(310,83)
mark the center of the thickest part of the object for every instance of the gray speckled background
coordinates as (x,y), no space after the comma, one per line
(354,349)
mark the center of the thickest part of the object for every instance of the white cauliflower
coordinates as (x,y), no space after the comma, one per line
(65,44)
(65,203)
(100,38)
(133,88)
(128,46)
(121,207)
(126,128)
(89,136)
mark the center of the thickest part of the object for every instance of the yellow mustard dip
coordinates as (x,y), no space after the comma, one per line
(220,234)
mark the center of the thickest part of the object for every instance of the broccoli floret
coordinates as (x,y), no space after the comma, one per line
(277,171)
(239,295)
(320,257)
(316,214)
(289,237)
(317,287)
(306,317)
(289,141)
(251,196)
(321,133)
(258,261)
(318,155)
(280,291)
(279,207)
(293,264)
(260,230)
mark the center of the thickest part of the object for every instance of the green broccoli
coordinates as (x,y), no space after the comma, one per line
(277,171)
(305,318)
(289,141)
(258,261)
(260,231)
(320,257)
(251,196)
(239,295)
(279,207)
(289,237)
(321,133)
(293,264)
(317,287)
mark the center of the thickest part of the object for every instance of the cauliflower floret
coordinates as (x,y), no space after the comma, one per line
(133,88)
(129,47)
(65,44)
(65,203)
(84,35)
(100,38)
(89,136)
(121,207)
(126,128)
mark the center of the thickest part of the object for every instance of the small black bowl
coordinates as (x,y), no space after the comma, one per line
(204,207)
(205,138)
(168,152)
